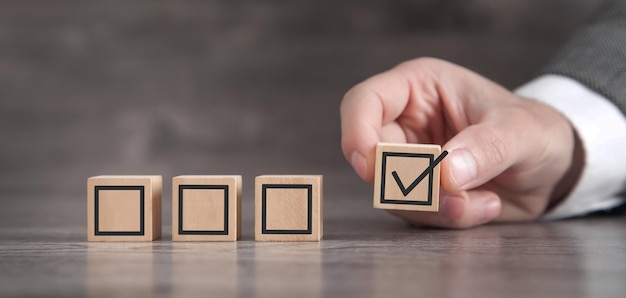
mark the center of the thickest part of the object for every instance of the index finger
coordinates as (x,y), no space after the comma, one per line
(365,109)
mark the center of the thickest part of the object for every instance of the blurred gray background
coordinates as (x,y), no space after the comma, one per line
(223,87)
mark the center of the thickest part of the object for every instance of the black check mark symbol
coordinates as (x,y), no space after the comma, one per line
(428,170)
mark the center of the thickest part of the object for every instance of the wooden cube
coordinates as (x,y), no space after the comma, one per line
(206,208)
(124,208)
(407,176)
(288,208)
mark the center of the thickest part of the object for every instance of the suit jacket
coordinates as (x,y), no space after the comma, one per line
(596,55)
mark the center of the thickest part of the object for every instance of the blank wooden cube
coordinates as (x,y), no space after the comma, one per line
(206,208)
(288,208)
(407,177)
(124,208)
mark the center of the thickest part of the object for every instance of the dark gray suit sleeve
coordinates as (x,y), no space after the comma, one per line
(596,55)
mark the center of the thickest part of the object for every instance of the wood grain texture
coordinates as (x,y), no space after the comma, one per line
(288,208)
(211,208)
(408,161)
(119,208)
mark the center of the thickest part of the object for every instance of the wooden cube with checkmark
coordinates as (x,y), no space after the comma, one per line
(407,176)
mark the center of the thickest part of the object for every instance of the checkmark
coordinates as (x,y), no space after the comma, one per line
(428,170)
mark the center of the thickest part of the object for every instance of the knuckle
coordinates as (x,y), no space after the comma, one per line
(349,97)
(495,150)
(421,62)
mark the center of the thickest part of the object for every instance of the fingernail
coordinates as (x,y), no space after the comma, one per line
(463,167)
(490,210)
(359,164)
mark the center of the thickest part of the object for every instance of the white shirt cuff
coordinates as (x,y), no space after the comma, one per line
(602,129)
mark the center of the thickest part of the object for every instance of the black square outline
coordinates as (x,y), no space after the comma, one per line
(180,210)
(97,190)
(428,202)
(308,187)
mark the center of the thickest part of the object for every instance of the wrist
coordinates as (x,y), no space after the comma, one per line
(569,180)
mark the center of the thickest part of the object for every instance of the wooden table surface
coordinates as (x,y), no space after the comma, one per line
(253,87)
(364,253)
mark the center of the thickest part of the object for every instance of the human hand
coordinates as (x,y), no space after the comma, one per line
(510,158)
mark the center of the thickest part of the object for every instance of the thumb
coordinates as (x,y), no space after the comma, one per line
(477,154)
